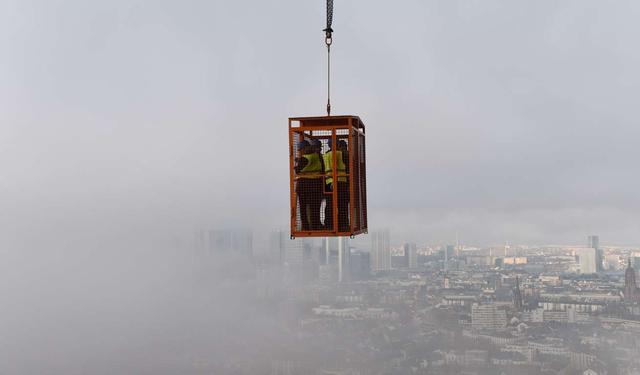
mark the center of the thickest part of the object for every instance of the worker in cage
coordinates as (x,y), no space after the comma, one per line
(317,148)
(342,186)
(316,144)
(309,176)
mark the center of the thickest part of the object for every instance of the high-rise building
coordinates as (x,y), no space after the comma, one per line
(411,255)
(451,251)
(631,292)
(612,262)
(380,251)
(587,260)
(360,265)
(594,242)
(488,317)
(239,241)
(635,260)
(334,256)
(277,244)
(448,253)
(288,252)
(344,259)
(225,253)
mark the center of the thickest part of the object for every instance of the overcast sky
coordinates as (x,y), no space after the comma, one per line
(124,121)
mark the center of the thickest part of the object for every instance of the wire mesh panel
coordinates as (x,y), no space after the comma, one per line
(327,174)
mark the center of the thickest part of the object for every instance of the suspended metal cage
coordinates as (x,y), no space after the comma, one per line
(327,166)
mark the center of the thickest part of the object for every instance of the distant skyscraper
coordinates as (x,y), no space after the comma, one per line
(587,260)
(635,261)
(612,262)
(288,252)
(594,242)
(411,255)
(277,241)
(380,251)
(238,241)
(344,259)
(226,253)
(294,253)
(360,265)
(448,252)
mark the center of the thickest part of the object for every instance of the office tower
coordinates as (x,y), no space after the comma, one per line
(487,317)
(635,260)
(360,265)
(277,245)
(237,242)
(447,251)
(344,259)
(450,251)
(594,242)
(294,251)
(288,252)
(411,255)
(380,251)
(323,255)
(587,260)
(612,262)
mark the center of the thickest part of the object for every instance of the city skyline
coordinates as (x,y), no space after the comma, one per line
(146,172)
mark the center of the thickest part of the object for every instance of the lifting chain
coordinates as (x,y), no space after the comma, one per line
(328,30)
(328,40)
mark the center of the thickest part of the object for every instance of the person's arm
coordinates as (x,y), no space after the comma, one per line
(300,164)
(345,159)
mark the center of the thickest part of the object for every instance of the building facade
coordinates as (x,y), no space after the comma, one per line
(488,317)
(587,260)
(380,251)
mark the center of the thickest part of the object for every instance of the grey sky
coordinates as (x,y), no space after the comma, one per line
(502,120)
(126,125)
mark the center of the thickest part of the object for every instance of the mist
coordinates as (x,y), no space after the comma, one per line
(127,127)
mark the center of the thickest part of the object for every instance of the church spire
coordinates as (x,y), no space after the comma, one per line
(517,296)
(631,292)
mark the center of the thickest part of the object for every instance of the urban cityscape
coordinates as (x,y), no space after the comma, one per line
(212,187)
(384,306)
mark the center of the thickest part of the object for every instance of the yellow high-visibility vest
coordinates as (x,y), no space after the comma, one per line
(328,167)
(314,166)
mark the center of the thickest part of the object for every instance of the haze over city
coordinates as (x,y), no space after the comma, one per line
(140,142)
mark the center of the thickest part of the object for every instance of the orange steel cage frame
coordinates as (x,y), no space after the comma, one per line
(331,129)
